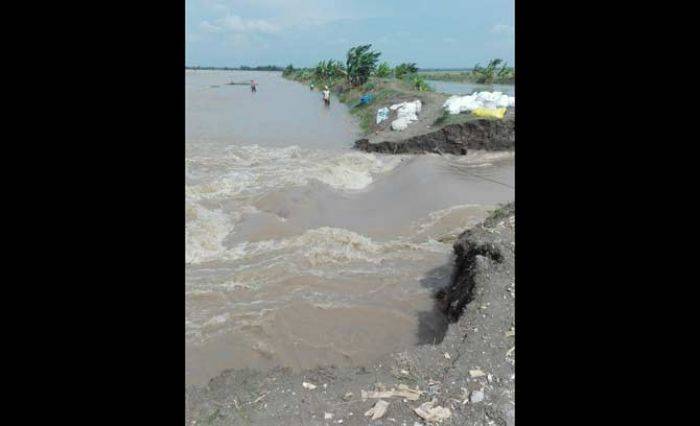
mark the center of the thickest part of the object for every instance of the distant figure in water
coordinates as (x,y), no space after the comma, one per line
(326,95)
(253,86)
(311,87)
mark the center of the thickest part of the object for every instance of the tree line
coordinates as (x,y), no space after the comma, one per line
(241,68)
(361,62)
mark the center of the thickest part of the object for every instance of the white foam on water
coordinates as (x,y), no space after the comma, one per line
(327,245)
(480,158)
(205,231)
(252,169)
(436,217)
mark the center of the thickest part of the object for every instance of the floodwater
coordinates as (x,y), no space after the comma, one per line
(460,88)
(301,251)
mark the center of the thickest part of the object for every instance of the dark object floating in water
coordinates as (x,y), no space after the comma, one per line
(234,83)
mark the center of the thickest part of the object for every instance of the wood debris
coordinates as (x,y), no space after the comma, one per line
(403,392)
(378,410)
(429,412)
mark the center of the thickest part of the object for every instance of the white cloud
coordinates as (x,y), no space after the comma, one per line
(209,27)
(237,24)
(503,29)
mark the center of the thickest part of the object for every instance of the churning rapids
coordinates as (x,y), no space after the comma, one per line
(300,251)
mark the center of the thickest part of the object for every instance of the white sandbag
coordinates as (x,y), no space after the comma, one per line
(400,123)
(406,114)
(490,100)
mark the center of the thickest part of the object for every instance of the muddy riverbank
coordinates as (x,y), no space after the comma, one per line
(457,139)
(465,363)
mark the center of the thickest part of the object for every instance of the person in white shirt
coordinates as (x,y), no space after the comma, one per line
(326,95)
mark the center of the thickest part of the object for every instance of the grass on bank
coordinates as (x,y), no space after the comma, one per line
(384,90)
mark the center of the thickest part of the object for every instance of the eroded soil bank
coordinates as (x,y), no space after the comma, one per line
(483,134)
(466,362)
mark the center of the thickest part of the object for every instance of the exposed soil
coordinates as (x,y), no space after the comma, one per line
(470,331)
(484,134)
(431,110)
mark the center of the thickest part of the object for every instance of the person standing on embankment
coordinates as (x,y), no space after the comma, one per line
(253,86)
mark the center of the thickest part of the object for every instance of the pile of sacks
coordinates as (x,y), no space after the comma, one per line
(382,114)
(407,113)
(481,100)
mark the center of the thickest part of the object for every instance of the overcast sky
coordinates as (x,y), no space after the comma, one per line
(457,33)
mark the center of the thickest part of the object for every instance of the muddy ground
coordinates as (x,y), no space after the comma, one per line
(466,362)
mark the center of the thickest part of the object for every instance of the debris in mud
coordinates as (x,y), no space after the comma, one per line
(476,373)
(403,392)
(327,416)
(347,396)
(378,410)
(465,395)
(431,413)
(447,355)
(476,396)
(309,386)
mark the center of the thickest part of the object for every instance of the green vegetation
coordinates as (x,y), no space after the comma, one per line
(361,75)
(419,83)
(288,70)
(406,68)
(492,72)
(361,63)
(496,72)
(327,71)
(382,91)
(383,70)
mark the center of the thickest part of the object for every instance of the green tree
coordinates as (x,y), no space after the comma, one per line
(489,74)
(328,70)
(288,70)
(383,70)
(419,83)
(405,68)
(361,63)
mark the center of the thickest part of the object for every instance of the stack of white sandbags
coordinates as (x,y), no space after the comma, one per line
(407,113)
(490,100)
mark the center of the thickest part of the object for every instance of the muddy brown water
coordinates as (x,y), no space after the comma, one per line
(300,251)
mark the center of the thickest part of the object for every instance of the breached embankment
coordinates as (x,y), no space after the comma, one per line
(457,139)
(466,367)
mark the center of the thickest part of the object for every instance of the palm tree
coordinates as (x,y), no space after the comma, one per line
(383,70)
(328,70)
(360,63)
(489,74)
(405,68)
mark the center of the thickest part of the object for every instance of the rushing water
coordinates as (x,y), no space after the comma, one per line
(299,250)
(461,88)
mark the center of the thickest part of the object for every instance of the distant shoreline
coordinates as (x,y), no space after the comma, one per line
(242,68)
(278,68)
